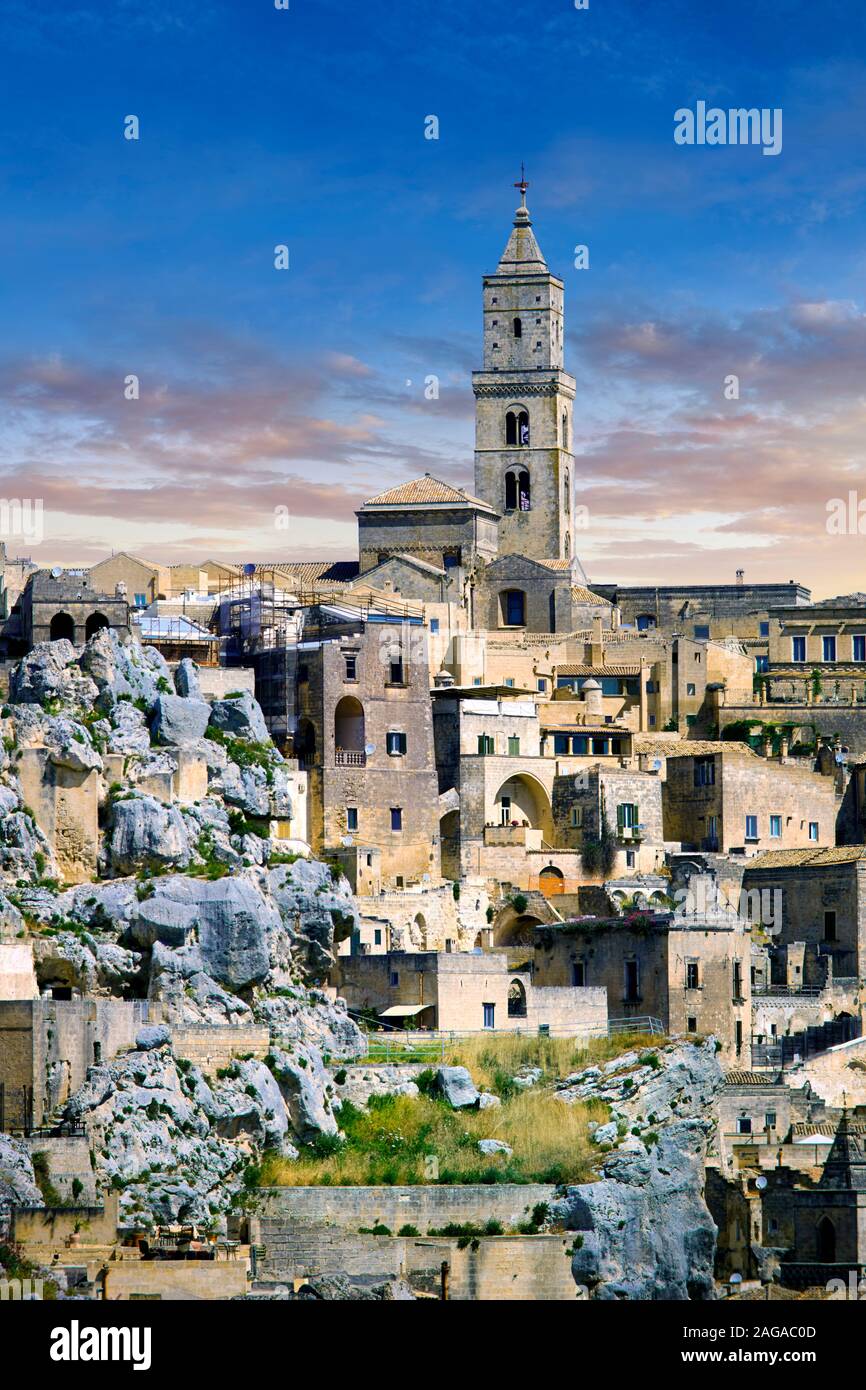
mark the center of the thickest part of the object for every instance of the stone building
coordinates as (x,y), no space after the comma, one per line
(691,974)
(817,653)
(629,802)
(427,520)
(723,796)
(465,992)
(142,581)
(524,402)
(821,897)
(64,603)
(362,726)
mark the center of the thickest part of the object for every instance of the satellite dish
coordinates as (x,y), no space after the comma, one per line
(249,569)
(736,1279)
(370,749)
(760,1183)
(348,841)
(56,571)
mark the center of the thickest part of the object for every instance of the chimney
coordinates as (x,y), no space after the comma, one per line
(741,577)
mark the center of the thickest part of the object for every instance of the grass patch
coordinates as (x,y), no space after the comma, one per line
(393,1142)
(494,1061)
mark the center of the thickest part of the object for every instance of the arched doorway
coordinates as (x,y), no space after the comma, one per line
(305,744)
(551,882)
(62,626)
(349,735)
(516,1000)
(95,623)
(419,933)
(512,928)
(825,1241)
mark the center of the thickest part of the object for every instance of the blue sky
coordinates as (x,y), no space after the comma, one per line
(262,389)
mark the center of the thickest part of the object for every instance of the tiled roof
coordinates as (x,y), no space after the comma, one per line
(701,747)
(584,669)
(580,594)
(310,573)
(785,858)
(423,492)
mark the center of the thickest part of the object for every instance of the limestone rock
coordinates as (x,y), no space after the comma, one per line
(457,1087)
(186,681)
(144,833)
(494,1146)
(18,1185)
(303,1015)
(123,670)
(179,721)
(232,919)
(240,718)
(49,672)
(487,1101)
(303,1081)
(178,980)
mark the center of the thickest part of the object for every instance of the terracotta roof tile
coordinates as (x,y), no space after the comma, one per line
(423,492)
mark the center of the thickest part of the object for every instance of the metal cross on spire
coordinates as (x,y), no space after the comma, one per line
(522,185)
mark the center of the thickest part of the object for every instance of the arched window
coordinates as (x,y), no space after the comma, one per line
(518,328)
(565,429)
(513,607)
(510,492)
(349,738)
(62,626)
(95,623)
(516,1000)
(524,491)
(511,428)
(567,546)
(523,427)
(567,498)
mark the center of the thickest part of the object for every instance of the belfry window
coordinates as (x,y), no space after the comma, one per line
(518,328)
(518,491)
(517,427)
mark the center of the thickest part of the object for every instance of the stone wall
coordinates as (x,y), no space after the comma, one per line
(210,1046)
(68,1164)
(65,805)
(17,976)
(182,1281)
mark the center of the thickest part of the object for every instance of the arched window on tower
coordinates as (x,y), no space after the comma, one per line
(524,491)
(518,328)
(511,428)
(565,429)
(567,499)
(523,427)
(567,546)
(511,492)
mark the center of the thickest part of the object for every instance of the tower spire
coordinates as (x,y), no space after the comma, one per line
(522,186)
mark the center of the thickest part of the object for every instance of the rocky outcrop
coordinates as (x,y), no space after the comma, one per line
(179,720)
(643,1231)
(18,1185)
(240,717)
(146,834)
(456,1086)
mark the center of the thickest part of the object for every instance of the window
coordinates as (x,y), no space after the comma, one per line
(351,818)
(691,1025)
(578,974)
(632,993)
(565,433)
(377,936)
(770,1120)
(705,772)
(396,817)
(395,743)
(395,979)
(489,1015)
(645,621)
(576,817)
(702,632)
(351,668)
(518,328)
(751,827)
(737,987)
(486,744)
(630,858)
(798,649)
(395,672)
(738,1037)
(762,663)
(434,624)
(744,1124)
(775,827)
(141,600)
(690,689)
(518,491)
(763,629)
(514,607)
(505,810)
(813,830)
(692,977)
(828,648)
(626,816)
(859,647)
(829,926)
(509,680)
(541,684)
(513,746)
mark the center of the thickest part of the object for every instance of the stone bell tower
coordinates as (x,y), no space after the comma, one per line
(524,402)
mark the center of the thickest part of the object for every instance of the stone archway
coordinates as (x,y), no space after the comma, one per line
(62,626)
(516,1000)
(95,623)
(551,881)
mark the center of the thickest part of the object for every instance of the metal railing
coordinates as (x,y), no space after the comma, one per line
(393,1045)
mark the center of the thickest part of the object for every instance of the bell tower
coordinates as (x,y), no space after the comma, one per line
(524,401)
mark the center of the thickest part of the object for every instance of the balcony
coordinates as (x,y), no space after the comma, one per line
(512,836)
(346,757)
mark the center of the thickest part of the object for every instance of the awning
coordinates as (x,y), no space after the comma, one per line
(404,1010)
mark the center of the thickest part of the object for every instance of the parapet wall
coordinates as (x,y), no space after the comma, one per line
(210,1047)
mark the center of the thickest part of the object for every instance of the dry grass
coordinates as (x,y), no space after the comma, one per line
(392,1141)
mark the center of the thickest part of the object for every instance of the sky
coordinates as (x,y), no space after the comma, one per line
(267,393)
